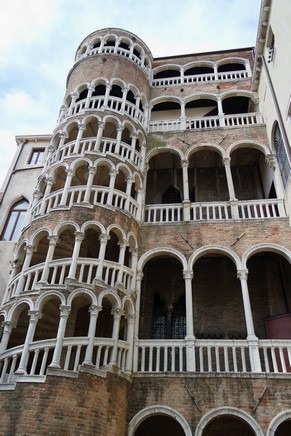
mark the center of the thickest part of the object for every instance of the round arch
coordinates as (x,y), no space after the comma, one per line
(159,252)
(259,248)
(277,420)
(201,147)
(219,249)
(230,411)
(246,144)
(40,302)
(82,291)
(167,149)
(158,410)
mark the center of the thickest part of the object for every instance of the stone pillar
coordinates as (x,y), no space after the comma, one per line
(113,174)
(34,314)
(139,202)
(137,101)
(66,187)
(117,313)
(183,115)
(8,326)
(133,144)
(251,337)
(50,254)
(49,184)
(128,192)
(65,310)
(124,94)
(122,249)
(91,174)
(130,340)
(78,139)
(89,96)
(220,113)
(133,264)
(233,201)
(188,276)
(94,312)
(118,139)
(186,199)
(215,72)
(106,97)
(74,97)
(29,252)
(99,136)
(78,240)
(103,243)
(182,75)
(36,197)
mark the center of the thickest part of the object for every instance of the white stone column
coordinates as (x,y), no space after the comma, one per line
(64,314)
(89,96)
(248,68)
(8,326)
(182,75)
(190,339)
(133,145)
(94,312)
(129,182)
(63,137)
(220,113)
(91,174)
(29,252)
(119,131)
(133,265)
(34,315)
(113,174)
(36,197)
(215,72)
(183,115)
(99,136)
(124,94)
(139,202)
(49,184)
(106,97)
(74,97)
(66,187)
(78,240)
(50,254)
(103,243)
(130,340)
(232,199)
(251,337)
(117,314)
(122,249)
(81,128)
(137,101)
(186,199)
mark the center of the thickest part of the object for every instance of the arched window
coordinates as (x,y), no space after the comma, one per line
(15,221)
(281,154)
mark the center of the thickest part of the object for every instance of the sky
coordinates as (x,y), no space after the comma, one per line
(39,39)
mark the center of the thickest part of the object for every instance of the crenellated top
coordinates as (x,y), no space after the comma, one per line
(118,42)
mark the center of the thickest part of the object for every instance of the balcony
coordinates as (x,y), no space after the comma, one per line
(215,211)
(210,122)
(201,78)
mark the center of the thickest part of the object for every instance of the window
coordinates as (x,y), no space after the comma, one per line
(37,156)
(281,154)
(15,221)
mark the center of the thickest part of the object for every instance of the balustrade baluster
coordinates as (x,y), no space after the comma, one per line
(243,359)
(209,359)
(150,358)
(165,358)
(217,362)
(226,361)
(201,359)
(44,361)
(34,362)
(98,356)
(158,355)
(173,358)
(62,276)
(282,359)
(234,357)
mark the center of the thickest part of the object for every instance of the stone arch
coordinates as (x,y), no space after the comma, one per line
(277,421)
(167,149)
(89,224)
(158,410)
(245,144)
(232,60)
(219,249)
(42,299)
(82,291)
(159,252)
(63,226)
(233,411)
(198,147)
(259,248)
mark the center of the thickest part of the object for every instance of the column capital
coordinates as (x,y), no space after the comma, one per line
(34,315)
(29,249)
(270,160)
(130,318)
(113,172)
(185,163)
(94,309)
(90,87)
(92,170)
(242,274)
(226,160)
(101,125)
(69,172)
(73,94)
(117,313)
(79,236)
(53,239)
(122,243)
(63,135)
(103,238)
(50,180)
(187,274)
(8,325)
(81,127)
(65,311)
(36,194)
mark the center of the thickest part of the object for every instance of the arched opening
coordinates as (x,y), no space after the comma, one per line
(79,318)
(199,108)
(110,41)
(217,290)
(116,91)
(121,180)
(105,320)
(198,70)
(89,249)
(41,244)
(235,66)
(112,247)
(102,176)
(99,90)
(227,424)
(157,425)
(164,179)
(166,110)
(167,73)
(284,429)
(252,178)
(207,178)
(163,309)
(130,97)
(236,105)
(269,283)
(47,325)
(83,95)
(110,130)
(80,175)
(59,176)
(91,129)
(21,320)
(72,132)
(126,136)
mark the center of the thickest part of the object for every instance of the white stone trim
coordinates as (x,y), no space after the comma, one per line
(279,419)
